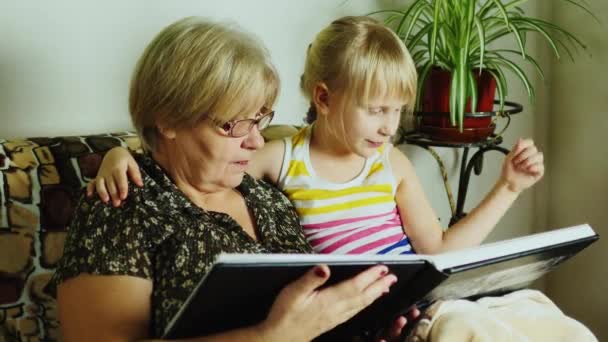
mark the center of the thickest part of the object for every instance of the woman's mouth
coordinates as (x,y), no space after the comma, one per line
(242,163)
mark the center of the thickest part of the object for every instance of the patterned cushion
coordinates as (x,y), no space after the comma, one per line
(40,180)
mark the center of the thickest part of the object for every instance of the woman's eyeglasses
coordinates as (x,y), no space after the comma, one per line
(239,128)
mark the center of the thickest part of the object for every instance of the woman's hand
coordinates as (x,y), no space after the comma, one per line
(112,176)
(303,310)
(523,166)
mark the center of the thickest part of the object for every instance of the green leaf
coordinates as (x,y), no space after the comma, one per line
(542,31)
(515,4)
(584,8)
(499,89)
(414,19)
(502,10)
(519,39)
(406,15)
(557,29)
(388,11)
(472,85)
(421,80)
(417,38)
(436,23)
(497,69)
(519,73)
(529,58)
(389,20)
(461,90)
(482,46)
(453,89)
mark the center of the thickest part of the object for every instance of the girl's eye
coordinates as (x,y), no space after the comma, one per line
(375,111)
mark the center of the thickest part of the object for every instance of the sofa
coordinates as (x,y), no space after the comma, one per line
(40,181)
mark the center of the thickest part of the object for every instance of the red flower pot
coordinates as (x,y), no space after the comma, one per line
(435,119)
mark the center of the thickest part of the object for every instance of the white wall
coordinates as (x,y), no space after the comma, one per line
(578,181)
(65,64)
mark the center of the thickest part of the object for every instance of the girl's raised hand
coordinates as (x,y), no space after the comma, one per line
(523,166)
(111,181)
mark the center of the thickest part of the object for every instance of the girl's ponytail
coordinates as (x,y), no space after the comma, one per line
(311,115)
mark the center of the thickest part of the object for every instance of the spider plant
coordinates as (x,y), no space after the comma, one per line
(455,35)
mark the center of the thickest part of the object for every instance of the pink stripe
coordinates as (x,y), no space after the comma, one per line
(345,221)
(395,221)
(356,236)
(374,244)
(322,239)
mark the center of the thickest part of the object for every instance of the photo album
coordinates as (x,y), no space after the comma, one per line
(240,288)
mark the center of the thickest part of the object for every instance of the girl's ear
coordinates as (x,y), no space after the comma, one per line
(320,98)
(165,131)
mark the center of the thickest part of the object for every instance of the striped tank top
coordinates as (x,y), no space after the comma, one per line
(356,217)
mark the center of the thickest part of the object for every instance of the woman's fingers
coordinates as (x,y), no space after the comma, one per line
(303,306)
(350,296)
(304,286)
(362,290)
(363,280)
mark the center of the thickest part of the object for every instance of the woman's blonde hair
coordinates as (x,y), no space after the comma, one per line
(196,69)
(361,59)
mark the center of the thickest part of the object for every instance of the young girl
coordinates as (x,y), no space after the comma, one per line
(354,192)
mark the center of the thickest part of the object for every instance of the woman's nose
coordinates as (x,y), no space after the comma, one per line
(254,140)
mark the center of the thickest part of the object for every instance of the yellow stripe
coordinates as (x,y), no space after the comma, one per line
(375,168)
(320,194)
(298,139)
(381,148)
(297,168)
(342,206)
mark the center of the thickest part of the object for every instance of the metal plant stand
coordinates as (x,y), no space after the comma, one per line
(475,163)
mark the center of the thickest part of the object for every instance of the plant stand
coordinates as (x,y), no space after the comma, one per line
(475,163)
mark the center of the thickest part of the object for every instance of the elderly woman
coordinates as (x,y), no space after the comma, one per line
(200,95)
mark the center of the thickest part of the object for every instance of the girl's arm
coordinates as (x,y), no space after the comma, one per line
(111,181)
(522,167)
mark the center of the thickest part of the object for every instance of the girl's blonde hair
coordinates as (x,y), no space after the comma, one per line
(361,59)
(196,69)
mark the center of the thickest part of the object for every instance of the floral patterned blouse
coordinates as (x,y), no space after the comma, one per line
(160,235)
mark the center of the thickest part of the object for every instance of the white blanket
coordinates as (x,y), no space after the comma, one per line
(525,315)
